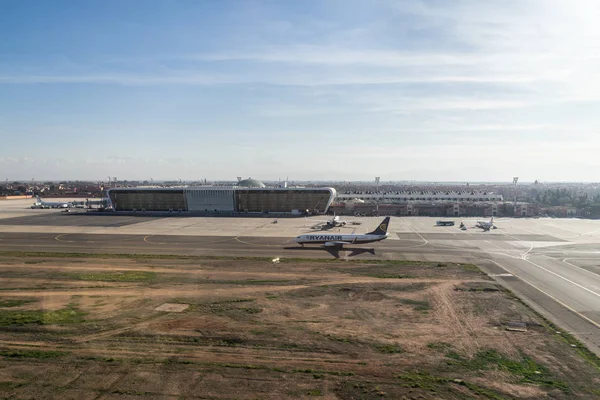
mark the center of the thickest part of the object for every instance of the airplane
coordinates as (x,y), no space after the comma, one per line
(334,222)
(485,225)
(39,203)
(338,241)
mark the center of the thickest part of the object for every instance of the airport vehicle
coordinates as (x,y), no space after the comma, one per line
(39,203)
(338,241)
(445,223)
(485,225)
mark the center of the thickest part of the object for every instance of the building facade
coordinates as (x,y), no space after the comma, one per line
(421,196)
(232,199)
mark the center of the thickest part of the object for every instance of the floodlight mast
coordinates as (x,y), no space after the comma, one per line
(377,195)
(515,180)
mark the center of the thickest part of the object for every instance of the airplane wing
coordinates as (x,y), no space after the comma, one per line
(320,221)
(335,244)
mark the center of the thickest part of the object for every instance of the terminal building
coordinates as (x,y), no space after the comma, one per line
(420,196)
(248,197)
(428,203)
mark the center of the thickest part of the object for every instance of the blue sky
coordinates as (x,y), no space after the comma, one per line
(348,90)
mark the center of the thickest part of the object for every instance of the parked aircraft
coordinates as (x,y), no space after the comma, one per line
(334,222)
(485,225)
(333,240)
(39,203)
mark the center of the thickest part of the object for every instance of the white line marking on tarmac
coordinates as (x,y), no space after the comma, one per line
(578,267)
(228,238)
(501,252)
(561,277)
(448,229)
(421,236)
(237,238)
(58,237)
(524,255)
(549,295)
(146,240)
(584,234)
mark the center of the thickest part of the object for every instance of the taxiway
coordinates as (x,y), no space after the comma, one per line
(552,264)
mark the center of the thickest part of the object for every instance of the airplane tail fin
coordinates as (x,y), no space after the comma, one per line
(492,220)
(382,228)
(38,199)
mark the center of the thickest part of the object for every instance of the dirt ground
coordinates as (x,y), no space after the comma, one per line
(73,328)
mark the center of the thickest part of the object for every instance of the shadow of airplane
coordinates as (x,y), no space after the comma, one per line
(334,251)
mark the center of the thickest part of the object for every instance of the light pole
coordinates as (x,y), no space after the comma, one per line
(515,180)
(377,195)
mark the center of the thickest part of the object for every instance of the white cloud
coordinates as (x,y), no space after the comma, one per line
(516,69)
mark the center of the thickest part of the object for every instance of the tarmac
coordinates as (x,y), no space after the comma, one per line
(552,264)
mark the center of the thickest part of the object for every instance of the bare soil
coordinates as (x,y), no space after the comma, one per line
(88,329)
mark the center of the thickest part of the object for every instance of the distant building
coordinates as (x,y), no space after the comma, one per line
(250,183)
(420,196)
(249,196)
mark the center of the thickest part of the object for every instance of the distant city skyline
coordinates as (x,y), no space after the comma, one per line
(417,90)
(300,181)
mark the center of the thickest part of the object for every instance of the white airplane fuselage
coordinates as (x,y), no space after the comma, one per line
(340,240)
(44,204)
(485,225)
(336,221)
(334,240)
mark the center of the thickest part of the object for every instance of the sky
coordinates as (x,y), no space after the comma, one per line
(464,90)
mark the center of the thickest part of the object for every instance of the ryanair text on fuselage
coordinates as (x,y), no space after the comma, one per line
(380,233)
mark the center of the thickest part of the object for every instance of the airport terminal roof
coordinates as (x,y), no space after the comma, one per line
(251,183)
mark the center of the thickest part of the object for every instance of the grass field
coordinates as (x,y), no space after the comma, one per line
(87,328)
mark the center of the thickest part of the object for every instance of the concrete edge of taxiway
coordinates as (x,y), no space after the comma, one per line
(525,291)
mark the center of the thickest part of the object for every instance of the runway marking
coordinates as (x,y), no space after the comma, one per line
(58,237)
(503,254)
(584,234)
(597,325)
(421,236)
(524,255)
(577,266)
(498,252)
(562,277)
(532,232)
(211,242)
(237,238)
(516,238)
(448,229)
(146,240)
